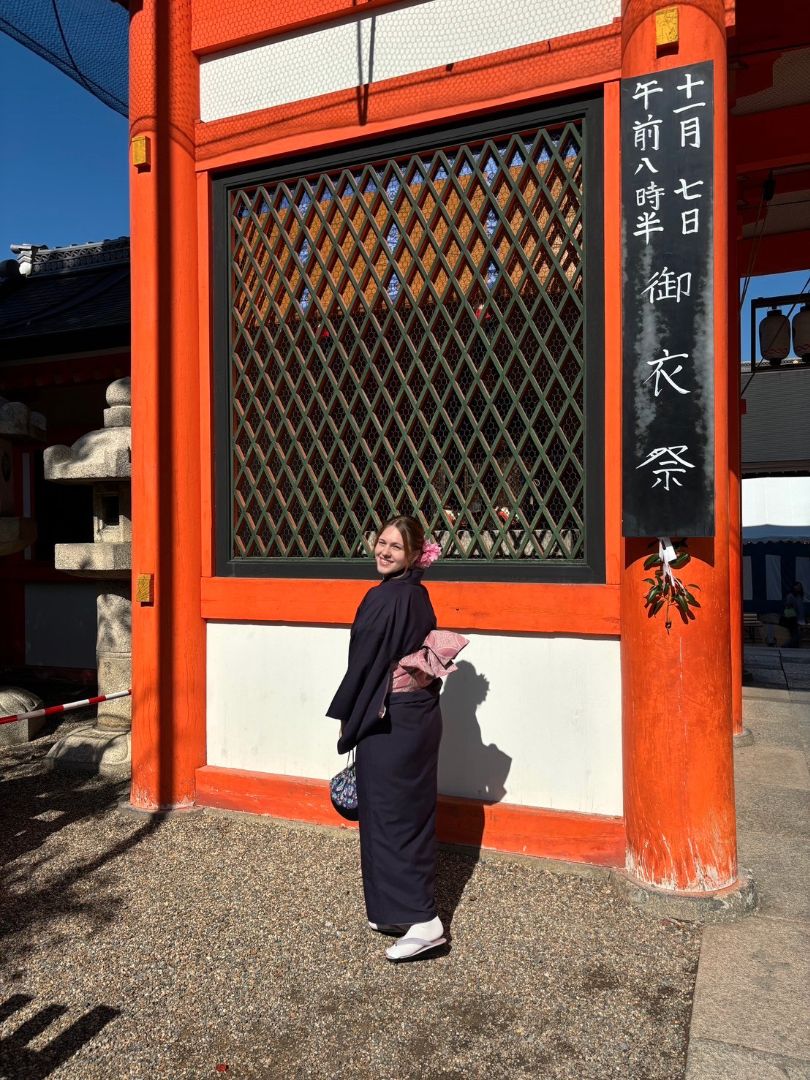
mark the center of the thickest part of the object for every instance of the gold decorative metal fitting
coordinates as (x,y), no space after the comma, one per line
(144,589)
(666,27)
(141,149)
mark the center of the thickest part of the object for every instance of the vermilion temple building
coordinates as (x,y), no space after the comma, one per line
(479,262)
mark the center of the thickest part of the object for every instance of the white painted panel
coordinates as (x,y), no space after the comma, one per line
(803,574)
(748,582)
(776,500)
(534,720)
(366,49)
(773,577)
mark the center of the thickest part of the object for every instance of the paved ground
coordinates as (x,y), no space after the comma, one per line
(141,948)
(781,669)
(146,949)
(751,1018)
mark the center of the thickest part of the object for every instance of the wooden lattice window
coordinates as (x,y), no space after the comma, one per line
(410,331)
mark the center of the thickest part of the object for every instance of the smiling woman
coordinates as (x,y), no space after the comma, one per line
(396,729)
(399,542)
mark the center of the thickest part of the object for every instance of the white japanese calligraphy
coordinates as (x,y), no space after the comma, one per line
(646,131)
(647,224)
(660,372)
(690,131)
(644,89)
(645,163)
(690,82)
(690,221)
(668,466)
(666,285)
(683,189)
(649,195)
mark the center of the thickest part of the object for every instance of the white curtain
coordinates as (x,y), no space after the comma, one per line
(748,585)
(773,577)
(803,574)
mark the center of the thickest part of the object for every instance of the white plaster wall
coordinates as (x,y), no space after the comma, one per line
(776,500)
(365,49)
(534,720)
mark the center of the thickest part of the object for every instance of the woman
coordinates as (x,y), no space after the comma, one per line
(396,728)
(793,613)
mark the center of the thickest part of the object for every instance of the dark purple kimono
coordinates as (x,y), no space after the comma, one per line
(393,620)
(397,754)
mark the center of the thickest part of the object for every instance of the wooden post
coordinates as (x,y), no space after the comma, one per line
(168,642)
(678,771)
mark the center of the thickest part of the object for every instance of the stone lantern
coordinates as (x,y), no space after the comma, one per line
(103,458)
(18,425)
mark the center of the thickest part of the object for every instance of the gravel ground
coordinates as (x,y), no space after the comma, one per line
(209,943)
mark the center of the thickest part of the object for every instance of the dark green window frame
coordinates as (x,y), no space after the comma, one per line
(245,445)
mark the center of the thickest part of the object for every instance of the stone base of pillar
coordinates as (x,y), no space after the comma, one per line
(743,738)
(725,905)
(94,751)
(14,700)
(160,813)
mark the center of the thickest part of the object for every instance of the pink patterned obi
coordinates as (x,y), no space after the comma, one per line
(433,660)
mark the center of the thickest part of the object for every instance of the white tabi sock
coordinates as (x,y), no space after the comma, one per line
(427,932)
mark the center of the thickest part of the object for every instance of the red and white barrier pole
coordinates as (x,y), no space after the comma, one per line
(53,709)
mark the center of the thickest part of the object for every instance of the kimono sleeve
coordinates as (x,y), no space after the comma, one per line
(374,648)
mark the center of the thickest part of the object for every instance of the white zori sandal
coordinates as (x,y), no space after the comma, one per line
(419,939)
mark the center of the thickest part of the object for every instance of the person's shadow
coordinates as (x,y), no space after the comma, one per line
(471,773)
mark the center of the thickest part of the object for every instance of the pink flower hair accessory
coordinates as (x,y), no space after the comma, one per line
(430,552)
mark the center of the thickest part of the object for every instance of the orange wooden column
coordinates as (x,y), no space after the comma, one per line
(168,658)
(734,445)
(676,687)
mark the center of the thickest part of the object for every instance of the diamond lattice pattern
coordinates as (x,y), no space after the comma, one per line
(407,335)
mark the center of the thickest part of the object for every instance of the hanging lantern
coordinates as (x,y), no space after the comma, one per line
(774,336)
(801,334)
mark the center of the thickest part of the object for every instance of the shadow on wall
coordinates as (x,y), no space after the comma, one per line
(467,767)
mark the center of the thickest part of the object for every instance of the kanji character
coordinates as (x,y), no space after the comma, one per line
(650,195)
(690,129)
(666,285)
(659,371)
(668,466)
(690,221)
(644,89)
(644,131)
(646,224)
(690,82)
(683,189)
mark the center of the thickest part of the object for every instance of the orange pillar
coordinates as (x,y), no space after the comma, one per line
(676,687)
(168,657)
(734,447)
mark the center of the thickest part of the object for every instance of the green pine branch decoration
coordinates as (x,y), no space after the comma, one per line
(666,590)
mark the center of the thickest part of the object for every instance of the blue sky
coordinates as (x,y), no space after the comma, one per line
(65,167)
(64,175)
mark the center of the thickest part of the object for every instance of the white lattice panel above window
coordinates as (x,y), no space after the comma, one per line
(371,48)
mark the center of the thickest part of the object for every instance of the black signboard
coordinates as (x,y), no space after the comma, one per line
(668,302)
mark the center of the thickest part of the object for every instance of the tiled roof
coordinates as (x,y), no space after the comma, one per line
(69,293)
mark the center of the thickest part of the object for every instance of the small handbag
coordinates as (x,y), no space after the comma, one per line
(343,791)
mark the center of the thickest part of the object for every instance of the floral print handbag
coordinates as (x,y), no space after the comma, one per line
(343,791)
